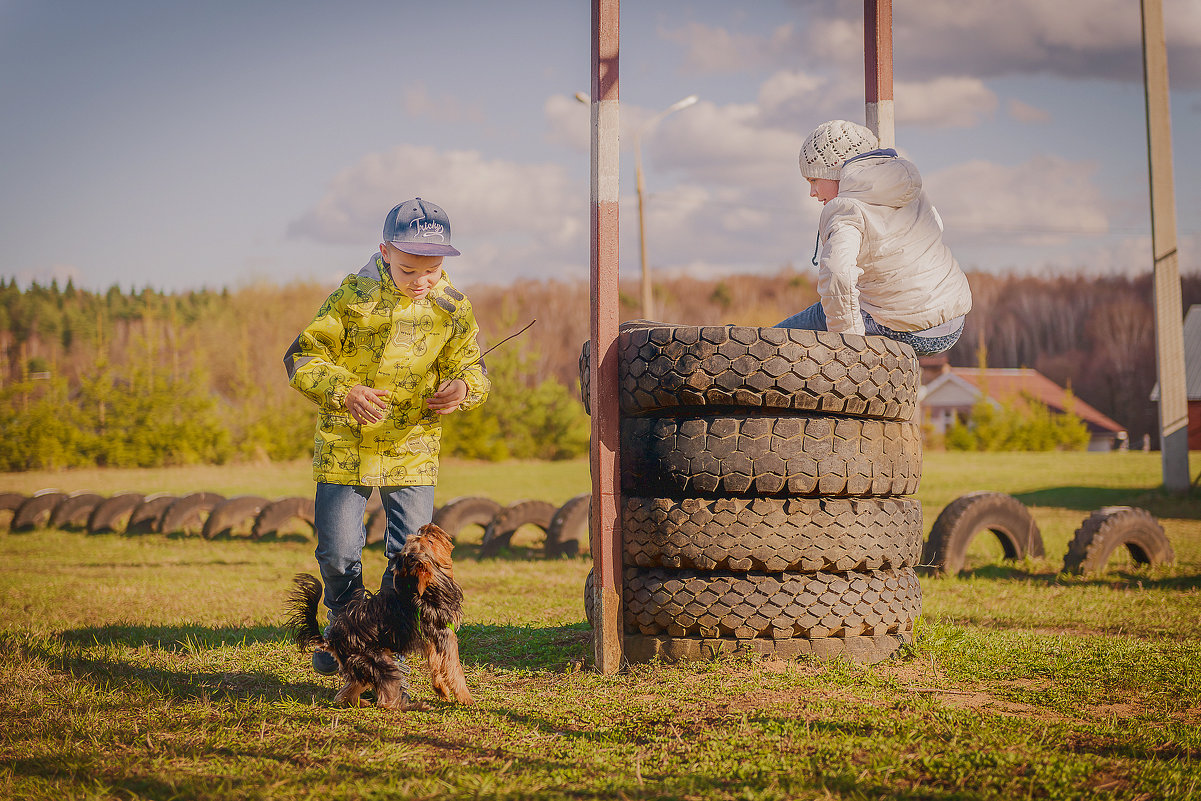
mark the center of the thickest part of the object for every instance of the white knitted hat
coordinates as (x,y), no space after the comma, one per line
(832,143)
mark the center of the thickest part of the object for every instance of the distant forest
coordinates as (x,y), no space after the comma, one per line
(145,377)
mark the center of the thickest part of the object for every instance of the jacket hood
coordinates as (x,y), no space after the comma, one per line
(881,178)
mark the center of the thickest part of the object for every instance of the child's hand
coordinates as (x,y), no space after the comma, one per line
(448,397)
(366,405)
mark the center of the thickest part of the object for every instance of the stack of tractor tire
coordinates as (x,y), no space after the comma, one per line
(764,481)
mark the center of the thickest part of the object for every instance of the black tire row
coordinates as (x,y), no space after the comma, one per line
(206,513)
(763,479)
(1100,535)
(566,526)
(212,515)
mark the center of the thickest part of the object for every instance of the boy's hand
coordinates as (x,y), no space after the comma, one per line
(366,405)
(448,397)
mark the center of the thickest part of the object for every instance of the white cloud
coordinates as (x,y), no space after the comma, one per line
(1074,38)
(723,144)
(1045,201)
(509,219)
(568,122)
(708,49)
(944,102)
(1024,112)
(1093,39)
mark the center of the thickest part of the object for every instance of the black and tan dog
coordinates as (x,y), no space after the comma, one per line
(422,614)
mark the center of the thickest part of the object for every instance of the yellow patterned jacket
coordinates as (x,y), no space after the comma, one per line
(368,332)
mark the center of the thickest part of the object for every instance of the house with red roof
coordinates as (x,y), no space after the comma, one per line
(948,394)
(1192,375)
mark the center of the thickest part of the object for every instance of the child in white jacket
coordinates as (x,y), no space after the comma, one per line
(884,268)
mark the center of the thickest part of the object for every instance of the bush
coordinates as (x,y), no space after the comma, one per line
(1011,426)
(524,418)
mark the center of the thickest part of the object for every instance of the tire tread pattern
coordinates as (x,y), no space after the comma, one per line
(1105,530)
(769,456)
(962,519)
(772,534)
(665,367)
(681,603)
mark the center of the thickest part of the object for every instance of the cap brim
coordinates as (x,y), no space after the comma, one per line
(425,248)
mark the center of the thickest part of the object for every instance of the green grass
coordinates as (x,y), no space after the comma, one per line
(156,667)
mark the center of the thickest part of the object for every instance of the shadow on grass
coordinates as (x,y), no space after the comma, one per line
(181,638)
(484,645)
(1087,499)
(246,685)
(553,648)
(1114,579)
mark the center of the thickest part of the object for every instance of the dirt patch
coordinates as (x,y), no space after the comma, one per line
(1116,710)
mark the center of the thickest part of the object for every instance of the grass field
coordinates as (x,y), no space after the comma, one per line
(156,667)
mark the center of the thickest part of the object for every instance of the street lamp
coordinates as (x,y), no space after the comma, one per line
(648,301)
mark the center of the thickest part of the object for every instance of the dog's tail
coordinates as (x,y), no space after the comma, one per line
(302,609)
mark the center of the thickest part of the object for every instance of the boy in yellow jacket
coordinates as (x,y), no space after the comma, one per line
(389,352)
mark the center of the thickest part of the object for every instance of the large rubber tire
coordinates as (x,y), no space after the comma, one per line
(231,513)
(75,510)
(682,603)
(109,512)
(772,534)
(569,527)
(1105,530)
(274,515)
(862,650)
(147,517)
(10,502)
(765,456)
(36,508)
(668,367)
(189,512)
(500,530)
(466,510)
(966,516)
(590,600)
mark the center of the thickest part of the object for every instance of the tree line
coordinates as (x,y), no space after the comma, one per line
(147,378)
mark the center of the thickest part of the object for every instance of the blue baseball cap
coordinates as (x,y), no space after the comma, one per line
(419,227)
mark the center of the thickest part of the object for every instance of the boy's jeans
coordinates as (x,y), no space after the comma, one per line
(814,319)
(341,534)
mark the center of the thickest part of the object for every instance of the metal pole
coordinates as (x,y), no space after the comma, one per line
(648,297)
(1169,327)
(877,69)
(604,456)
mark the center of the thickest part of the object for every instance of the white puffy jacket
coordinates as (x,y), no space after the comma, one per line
(882,251)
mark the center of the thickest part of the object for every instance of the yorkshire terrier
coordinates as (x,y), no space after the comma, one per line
(423,613)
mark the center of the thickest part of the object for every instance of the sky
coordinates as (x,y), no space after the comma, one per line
(181,146)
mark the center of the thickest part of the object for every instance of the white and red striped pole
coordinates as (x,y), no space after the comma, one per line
(606,430)
(877,70)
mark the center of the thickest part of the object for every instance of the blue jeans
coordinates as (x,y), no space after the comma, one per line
(341,534)
(814,319)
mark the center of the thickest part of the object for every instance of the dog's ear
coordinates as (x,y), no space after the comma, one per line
(424,576)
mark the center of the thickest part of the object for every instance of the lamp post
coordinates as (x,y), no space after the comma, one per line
(648,300)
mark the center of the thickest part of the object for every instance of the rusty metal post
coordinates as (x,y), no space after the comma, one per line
(604,456)
(877,69)
(1169,327)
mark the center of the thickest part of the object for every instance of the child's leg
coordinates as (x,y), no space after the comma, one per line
(810,319)
(339,511)
(406,509)
(922,343)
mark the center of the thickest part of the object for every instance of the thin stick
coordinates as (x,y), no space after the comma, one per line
(474,361)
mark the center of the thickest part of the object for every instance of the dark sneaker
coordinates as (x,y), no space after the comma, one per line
(324,663)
